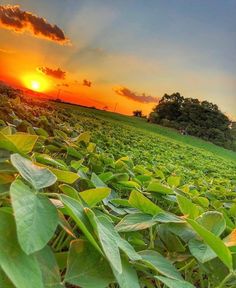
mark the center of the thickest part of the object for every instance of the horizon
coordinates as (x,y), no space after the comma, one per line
(125,55)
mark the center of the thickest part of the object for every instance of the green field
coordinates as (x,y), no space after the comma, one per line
(94,199)
(142,124)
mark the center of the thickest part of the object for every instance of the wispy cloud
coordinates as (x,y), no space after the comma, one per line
(13,18)
(58,73)
(87,83)
(142,98)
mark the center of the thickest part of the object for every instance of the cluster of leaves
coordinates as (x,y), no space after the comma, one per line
(201,119)
(75,213)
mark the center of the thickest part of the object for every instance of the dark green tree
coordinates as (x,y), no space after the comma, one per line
(201,119)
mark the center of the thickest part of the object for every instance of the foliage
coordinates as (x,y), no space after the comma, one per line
(201,119)
(112,207)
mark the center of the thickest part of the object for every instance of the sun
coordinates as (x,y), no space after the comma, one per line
(36,83)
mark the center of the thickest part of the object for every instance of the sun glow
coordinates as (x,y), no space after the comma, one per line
(35,83)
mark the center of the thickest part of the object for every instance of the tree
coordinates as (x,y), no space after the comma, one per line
(138,113)
(201,119)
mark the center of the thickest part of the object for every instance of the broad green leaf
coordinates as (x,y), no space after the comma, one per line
(67,177)
(97,182)
(19,142)
(83,137)
(86,267)
(94,196)
(128,278)
(174,283)
(37,176)
(201,251)
(23,270)
(139,201)
(36,217)
(76,212)
(23,141)
(187,207)
(129,184)
(135,222)
(159,188)
(213,221)
(173,181)
(49,268)
(127,249)
(216,244)
(69,191)
(107,237)
(156,261)
(165,217)
(48,160)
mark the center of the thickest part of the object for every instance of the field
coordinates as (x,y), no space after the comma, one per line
(95,199)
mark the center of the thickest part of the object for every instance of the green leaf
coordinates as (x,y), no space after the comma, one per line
(37,176)
(157,187)
(201,251)
(174,283)
(23,270)
(173,181)
(128,278)
(36,217)
(94,196)
(19,142)
(165,217)
(69,191)
(135,222)
(49,268)
(187,207)
(139,201)
(83,137)
(213,221)
(107,237)
(86,267)
(156,261)
(216,244)
(76,212)
(64,176)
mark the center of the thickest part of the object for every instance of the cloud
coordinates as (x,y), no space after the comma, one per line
(5,51)
(63,85)
(142,98)
(58,74)
(87,83)
(13,18)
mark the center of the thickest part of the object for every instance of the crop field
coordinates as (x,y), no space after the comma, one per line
(95,199)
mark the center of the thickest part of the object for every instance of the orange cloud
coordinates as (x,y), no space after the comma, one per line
(58,73)
(87,83)
(143,98)
(11,17)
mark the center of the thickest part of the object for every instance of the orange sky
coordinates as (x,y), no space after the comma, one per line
(95,56)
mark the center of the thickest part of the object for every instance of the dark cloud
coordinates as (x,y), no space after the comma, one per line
(87,83)
(11,17)
(63,85)
(58,73)
(143,98)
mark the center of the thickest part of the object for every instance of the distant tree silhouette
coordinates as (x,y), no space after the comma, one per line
(201,119)
(138,113)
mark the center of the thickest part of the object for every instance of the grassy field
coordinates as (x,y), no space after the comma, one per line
(96,199)
(142,124)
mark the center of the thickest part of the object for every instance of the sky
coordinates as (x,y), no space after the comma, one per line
(121,55)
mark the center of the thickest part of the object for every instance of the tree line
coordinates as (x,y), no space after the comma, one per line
(193,117)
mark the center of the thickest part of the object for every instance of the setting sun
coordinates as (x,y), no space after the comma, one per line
(35,83)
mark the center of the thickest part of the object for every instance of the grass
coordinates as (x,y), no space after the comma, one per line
(142,124)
